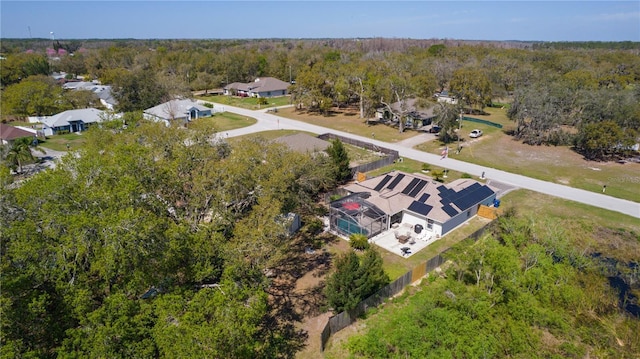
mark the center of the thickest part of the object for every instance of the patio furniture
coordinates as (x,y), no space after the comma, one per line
(402,236)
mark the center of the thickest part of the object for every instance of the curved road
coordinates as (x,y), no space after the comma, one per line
(268,121)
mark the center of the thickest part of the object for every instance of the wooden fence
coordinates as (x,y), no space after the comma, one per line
(344,319)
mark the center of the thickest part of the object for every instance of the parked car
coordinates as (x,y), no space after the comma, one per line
(475,133)
(434,129)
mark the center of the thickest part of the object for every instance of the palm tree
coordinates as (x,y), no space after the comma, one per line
(19,153)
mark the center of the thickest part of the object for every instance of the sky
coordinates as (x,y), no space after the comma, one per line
(463,20)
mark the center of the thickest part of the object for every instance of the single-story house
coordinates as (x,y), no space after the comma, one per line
(182,111)
(102,91)
(72,121)
(374,205)
(261,87)
(416,117)
(8,134)
(302,142)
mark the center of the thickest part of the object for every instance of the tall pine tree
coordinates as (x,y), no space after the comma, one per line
(340,159)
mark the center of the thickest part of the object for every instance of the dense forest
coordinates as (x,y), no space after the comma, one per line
(581,94)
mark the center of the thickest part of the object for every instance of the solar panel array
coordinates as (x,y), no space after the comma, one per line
(395,182)
(414,192)
(410,186)
(424,197)
(420,208)
(382,183)
(449,210)
(465,198)
(470,197)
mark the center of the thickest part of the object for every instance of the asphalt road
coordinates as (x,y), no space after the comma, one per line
(269,121)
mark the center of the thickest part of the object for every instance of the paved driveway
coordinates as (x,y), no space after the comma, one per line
(269,121)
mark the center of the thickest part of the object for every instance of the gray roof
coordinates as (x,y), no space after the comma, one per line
(303,142)
(86,115)
(102,91)
(175,109)
(263,84)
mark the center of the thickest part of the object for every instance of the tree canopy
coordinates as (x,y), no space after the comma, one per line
(149,240)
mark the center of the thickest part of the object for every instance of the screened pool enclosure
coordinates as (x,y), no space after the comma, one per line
(353,214)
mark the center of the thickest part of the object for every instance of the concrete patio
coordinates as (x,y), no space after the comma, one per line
(416,242)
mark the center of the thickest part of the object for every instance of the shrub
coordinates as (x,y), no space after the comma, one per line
(466,175)
(426,167)
(359,241)
(438,176)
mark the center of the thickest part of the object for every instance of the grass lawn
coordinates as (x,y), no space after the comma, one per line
(558,164)
(224,121)
(60,142)
(250,103)
(348,120)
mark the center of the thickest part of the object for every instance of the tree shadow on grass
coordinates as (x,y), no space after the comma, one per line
(291,304)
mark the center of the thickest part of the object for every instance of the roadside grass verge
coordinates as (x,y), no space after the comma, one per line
(413,166)
(250,103)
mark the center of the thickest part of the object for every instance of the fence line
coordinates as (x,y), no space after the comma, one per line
(344,319)
(478,120)
(391,155)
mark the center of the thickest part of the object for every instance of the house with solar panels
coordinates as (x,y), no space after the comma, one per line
(410,200)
